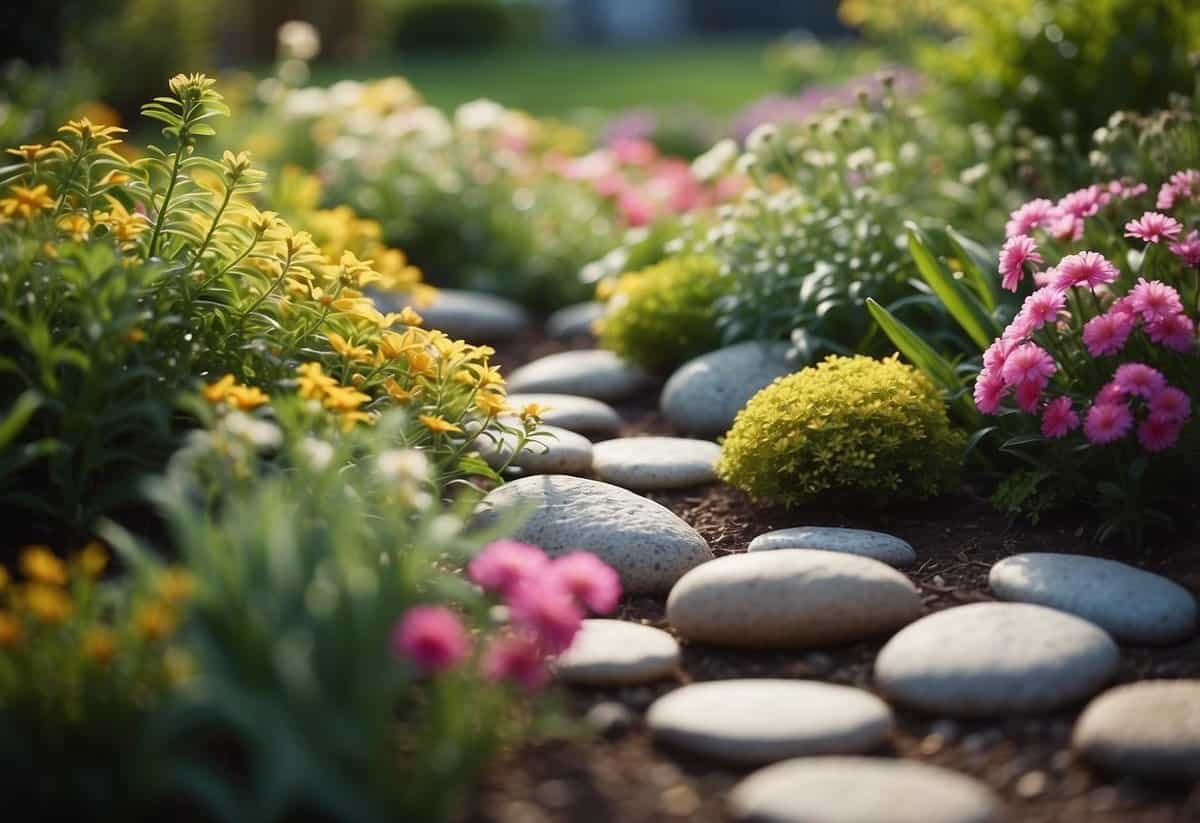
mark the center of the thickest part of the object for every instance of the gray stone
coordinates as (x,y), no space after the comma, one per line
(791,598)
(574,321)
(560,452)
(584,415)
(587,372)
(885,548)
(988,659)
(646,543)
(647,463)
(610,719)
(1147,729)
(705,394)
(475,316)
(617,653)
(861,790)
(763,720)
(1132,605)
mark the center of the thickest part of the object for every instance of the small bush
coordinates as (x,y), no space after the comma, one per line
(849,428)
(464,25)
(664,315)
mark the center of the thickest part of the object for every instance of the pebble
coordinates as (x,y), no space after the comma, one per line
(583,415)
(705,394)
(1132,605)
(791,598)
(563,452)
(646,543)
(617,653)
(610,719)
(574,321)
(653,463)
(988,659)
(587,372)
(475,316)
(861,790)
(1146,729)
(879,546)
(756,721)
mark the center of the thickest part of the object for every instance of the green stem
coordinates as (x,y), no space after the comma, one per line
(274,285)
(162,211)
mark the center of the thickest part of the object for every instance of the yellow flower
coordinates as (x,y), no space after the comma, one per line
(351,418)
(12,633)
(93,559)
(313,381)
(38,563)
(122,225)
(421,362)
(33,152)
(235,164)
(176,585)
(533,411)
(86,129)
(487,375)
(344,399)
(392,345)
(155,620)
(247,398)
(76,225)
(357,273)
(355,354)
(398,392)
(465,377)
(491,403)
(409,317)
(215,393)
(49,604)
(100,645)
(135,336)
(26,202)
(437,425)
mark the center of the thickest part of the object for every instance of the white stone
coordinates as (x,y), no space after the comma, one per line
(558,452)
(988,659)
(587,372)
(885,548)
(705,394)
(1148,729)
(617,653)
(649,546)
(475,316)
(574,321)
(647,463)
(1132,605)
(584,415)
(861,790)
(760,721)
(791,598)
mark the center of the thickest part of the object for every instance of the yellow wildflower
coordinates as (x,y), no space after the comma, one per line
(26,202)
(121,224)
(409,317)
(351,418)
(465,377)
(399,393)
(355,354)
(313,381)
(38,563)
(486,375)
(344,398)
(100,645)
(176,585)
(437,425)
(357,273)
(86,129)
(216,392)
(33,152)
(93,559)
(76,225)
(421,362)
(155,620)
(533,411)
(392,345)
(49,604)
(491,403)
(247,398)
(12,633)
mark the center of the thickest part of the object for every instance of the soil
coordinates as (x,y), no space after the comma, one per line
(623,776)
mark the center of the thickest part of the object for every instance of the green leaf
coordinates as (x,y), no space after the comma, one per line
(976,262)
(963,306)
(18,415)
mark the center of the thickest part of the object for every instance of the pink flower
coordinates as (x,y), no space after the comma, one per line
(544,607)
(1154,300)
(990,389)
(1087,268)
(1018,330)
(1126,189)
(1183,184)
(1176,332)
(997,353)
(1059,418)
(1016,252)
(1158,433)
(516,658)
(1032,215)
(635,208)
(1153,226)
(1107,422)
(1028,396)
(1139,380)
(589,579)
(634,151)
(1067,227)
(1188,249)
(432,637)
(1107,333)
(1110,392)
(1083,202)
(1172,404)
(1046,277)
(1029,363)
(504,564)
(1043,306)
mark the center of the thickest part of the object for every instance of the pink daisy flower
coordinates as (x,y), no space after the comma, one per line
(432,637)
(589,579)
(1107,333)
(1083,203)
(544,607)
(1171,403)
(1153,227)
(1034,214)
(1110,392)
(1087,268)
(1176,332)
(1058,418)
(1154,300)
(1045,278)
(516,658)
(1188,249)
(990,389)
(995,354)
(1139,380)
(504,564)
(1127,189)
(1029,363)
(1158,433)
(1066,228)
(1014,255)
(1028,396)
(1043,306)
(1107,422)
(1182,185)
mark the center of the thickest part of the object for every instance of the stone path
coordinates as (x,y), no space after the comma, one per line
(618,653)
(653,463)
(878,546)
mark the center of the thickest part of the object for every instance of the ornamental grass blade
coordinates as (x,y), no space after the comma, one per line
(976,262)
(963,306)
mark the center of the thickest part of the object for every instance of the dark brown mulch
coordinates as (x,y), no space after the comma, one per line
(1027,760)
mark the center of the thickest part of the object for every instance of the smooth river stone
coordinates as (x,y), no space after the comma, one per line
(988,659)
(648,463)
(475,316)
(586,372)
(1132,605)
(791,598)
(585,415)
(1148,729)
(705,394)
(751,722)
(878,546)
(648,546)
(574,321)
(564,453)
(861,790)
(617,653)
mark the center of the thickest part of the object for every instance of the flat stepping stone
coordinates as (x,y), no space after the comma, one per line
(586,372)
(584,415)
(649,463)
(791,598)
(565,452)
(617,653)
(1147,729)
(474,316)
(751,722)
(647,545)
(1132,605)
(705,394)
(574,321)
(988,659)
(861,790)
(885,548)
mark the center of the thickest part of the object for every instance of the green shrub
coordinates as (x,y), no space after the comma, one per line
(463,25)
(847,429)
(664,315)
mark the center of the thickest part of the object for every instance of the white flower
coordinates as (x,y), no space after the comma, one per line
(318,453)
(761,137)
(479,115)
(715,162)
(298,39)
(261,434)
(403,466)
(302,104)
(861,160)
(746,164)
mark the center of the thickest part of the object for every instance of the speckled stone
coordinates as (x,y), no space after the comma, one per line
(1132,605)
(617,653)
(861,790)
(587,372)
(562,452)
(647,544)
(791,598)
(988,659)
(885,548)
(574,321)
(475,316)
(584,415)
(1146,729)
(759,721)
(649,463)
(704,395)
